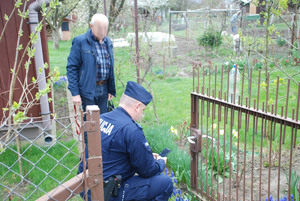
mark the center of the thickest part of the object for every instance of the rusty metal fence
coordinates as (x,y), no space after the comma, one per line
(244,150)
(32,168)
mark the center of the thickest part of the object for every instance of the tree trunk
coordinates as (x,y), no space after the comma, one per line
(55,38)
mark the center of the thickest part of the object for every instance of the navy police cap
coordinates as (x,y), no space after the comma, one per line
(136,91)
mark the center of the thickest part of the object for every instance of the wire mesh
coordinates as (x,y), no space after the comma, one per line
(31,167)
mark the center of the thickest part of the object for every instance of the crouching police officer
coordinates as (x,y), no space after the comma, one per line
(126,152)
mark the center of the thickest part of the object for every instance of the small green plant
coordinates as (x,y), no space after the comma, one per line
(280,41)
(211,39)
(294,183)
(211,151)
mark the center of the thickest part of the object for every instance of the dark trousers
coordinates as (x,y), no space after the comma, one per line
(159,187)
(100,99)
(136,188)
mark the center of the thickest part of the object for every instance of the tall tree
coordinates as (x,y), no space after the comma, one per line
(55,19)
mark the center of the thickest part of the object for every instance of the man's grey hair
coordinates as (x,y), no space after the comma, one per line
(99,17)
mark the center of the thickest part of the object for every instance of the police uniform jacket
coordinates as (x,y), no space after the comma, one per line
(125,150)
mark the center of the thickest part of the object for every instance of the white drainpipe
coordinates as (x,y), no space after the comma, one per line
(34,9)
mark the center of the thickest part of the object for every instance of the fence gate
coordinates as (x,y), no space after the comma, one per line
(247,148)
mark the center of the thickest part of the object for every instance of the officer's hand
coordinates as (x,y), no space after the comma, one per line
(110,97)
(164,158)
(155,155)
(76,100)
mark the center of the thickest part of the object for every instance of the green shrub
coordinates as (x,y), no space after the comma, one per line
(280,41)
(211,39)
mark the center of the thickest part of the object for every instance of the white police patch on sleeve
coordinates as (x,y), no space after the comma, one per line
(147,147)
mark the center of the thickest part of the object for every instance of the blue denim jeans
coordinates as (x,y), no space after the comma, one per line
(100,99)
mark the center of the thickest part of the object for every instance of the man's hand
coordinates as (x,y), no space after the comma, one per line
(76,100)
(110,97)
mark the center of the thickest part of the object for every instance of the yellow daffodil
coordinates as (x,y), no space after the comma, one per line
(235,133)
(173,130)
(214,126)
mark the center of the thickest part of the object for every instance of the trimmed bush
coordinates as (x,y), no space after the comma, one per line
(211,39)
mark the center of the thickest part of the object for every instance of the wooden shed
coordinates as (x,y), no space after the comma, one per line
(8,50)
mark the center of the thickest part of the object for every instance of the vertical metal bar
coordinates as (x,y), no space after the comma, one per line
(243,80)
(258,92)
(267,95)
(215,94)
(277,89)
(234,86)
(286,107)
(230,147)
(194,155)
(209,80)
(137,50)
(238,153)
(228,84)
(224,144)
(222,81)
(250,88)
(279,158)
(297,113)
(276,102)
(261,151)
(203,79)
(194,78)
(206,145)
(212,143)
(245,149)
(270,156)
(201,176)
(291,158)
(198,69)
(218,145)
(252,160)
(95,152)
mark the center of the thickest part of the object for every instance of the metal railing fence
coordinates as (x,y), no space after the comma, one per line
(244,150)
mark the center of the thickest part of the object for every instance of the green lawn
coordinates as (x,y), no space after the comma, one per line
(59,57)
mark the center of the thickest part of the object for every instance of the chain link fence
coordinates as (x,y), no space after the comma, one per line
(36,159)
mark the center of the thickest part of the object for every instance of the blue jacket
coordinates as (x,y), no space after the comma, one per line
(125,149)
(82,66)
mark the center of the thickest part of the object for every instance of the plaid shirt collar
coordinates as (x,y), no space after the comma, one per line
(96,40)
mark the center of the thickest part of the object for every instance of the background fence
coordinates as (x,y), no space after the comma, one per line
(248,149)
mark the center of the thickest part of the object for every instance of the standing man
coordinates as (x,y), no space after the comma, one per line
(90,68)
(233,22)
(126,151)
